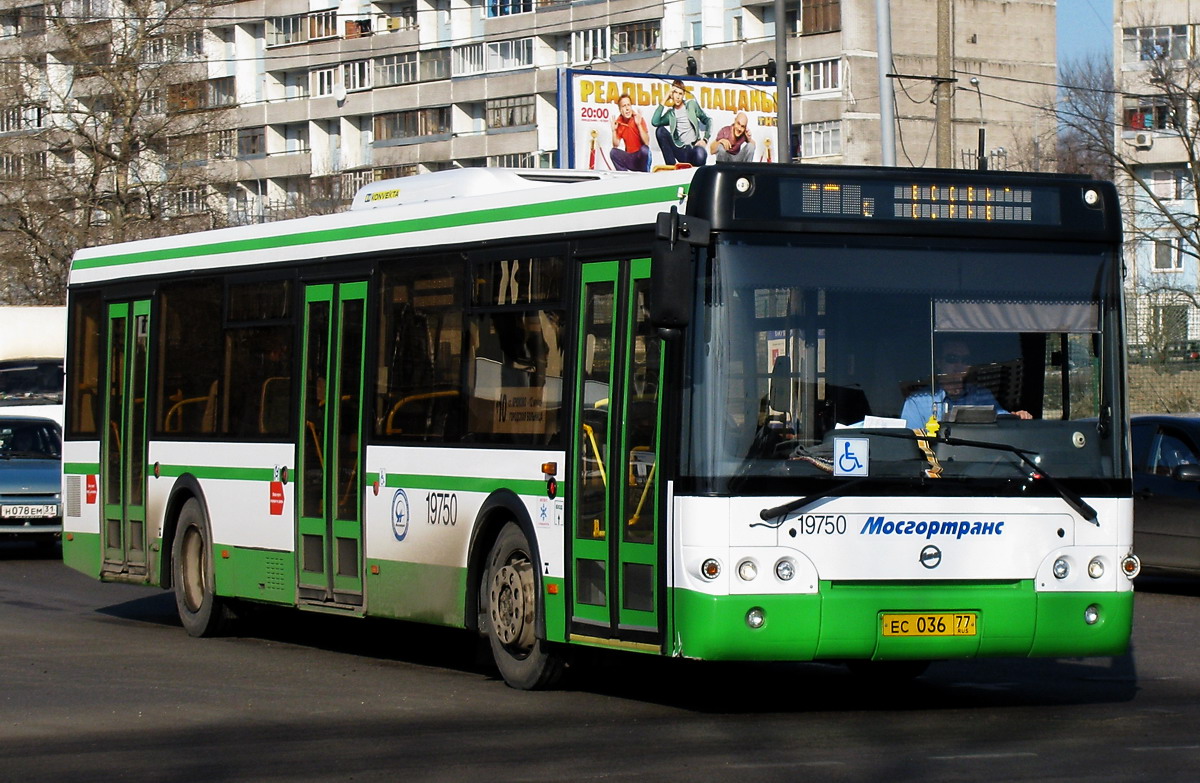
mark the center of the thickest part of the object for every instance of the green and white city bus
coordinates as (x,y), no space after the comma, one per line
(740,412)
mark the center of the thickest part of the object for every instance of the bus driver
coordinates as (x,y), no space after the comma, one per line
(953,389)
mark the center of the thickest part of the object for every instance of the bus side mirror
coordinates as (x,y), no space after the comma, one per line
(673,265)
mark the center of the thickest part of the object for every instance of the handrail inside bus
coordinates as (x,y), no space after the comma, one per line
(392,430)
(591,436)
(208,423)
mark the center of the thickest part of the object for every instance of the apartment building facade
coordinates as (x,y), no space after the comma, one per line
(1156,144)
(323,97)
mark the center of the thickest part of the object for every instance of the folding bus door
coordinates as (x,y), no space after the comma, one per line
(123,443)
(615,515)
(329,523)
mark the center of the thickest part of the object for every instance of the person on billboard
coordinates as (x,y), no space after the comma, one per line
(733,143)
(630,137)
(681,128)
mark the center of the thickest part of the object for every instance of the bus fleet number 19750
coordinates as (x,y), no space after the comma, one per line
(442,508)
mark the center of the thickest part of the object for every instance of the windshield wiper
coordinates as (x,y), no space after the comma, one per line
(1066,493)
(787,508)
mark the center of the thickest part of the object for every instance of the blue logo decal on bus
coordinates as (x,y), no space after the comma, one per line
(880,525)
(400,515)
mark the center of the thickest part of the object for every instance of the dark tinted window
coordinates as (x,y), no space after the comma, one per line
(85,366)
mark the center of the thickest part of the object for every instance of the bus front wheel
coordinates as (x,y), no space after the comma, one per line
(201,611)
(510,600)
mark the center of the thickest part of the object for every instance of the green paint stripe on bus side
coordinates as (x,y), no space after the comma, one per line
(454,220)
(394,480)
(217,472)
(466,483)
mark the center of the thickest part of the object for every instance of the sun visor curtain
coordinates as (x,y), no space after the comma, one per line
(996,316)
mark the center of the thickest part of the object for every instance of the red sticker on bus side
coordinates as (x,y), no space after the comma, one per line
(276,498)
(92,490)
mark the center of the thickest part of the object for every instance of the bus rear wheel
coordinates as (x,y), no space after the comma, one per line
(509,598)
(201,611)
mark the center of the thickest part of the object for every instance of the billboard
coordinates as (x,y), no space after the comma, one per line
(636,122)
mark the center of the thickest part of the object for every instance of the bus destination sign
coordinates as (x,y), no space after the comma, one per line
(924,202)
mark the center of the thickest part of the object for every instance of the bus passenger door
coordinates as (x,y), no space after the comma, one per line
(123,443)
(614,510)
(329,525)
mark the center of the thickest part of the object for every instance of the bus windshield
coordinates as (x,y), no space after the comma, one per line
(802,340)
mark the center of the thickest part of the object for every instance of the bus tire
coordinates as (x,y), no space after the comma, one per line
(509,597)
(201,611)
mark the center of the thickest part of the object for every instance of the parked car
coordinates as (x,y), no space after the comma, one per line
(1166,491)
(30,478)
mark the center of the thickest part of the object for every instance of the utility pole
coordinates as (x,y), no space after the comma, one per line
(944,113)
(887,99)
(782,85)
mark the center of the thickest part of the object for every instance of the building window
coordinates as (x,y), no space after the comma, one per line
(22,165)
(358,75)
(221,143)
(414,123)
(816,76)
(511,112)
(221,92)
(284,30)
(821,138)
(820,16)
(396,172)
(1156,43)
(1168,255)
(1152,112)
(589,45)
(188,201)
(20,118)
(638,37)
(251,142)
(507,55)
(322,24)
(468,59)
(434,65)
(323,80)
(508,7)
(1169,183)
(395,69)
(519,160)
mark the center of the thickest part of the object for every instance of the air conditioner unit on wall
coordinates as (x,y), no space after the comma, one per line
(1143,140)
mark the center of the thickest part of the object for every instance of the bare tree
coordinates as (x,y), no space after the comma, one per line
(1147,135)
(109,101)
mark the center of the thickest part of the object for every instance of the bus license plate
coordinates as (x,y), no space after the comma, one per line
(28,512)
(934,624)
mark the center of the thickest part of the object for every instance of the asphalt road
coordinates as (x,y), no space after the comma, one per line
(99,682)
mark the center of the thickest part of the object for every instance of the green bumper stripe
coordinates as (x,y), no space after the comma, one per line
(455,220)
(81,468)
(843,622)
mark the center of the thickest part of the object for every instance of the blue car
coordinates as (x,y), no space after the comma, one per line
(30,479)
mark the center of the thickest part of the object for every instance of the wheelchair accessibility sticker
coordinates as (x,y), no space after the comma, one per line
(851,456)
